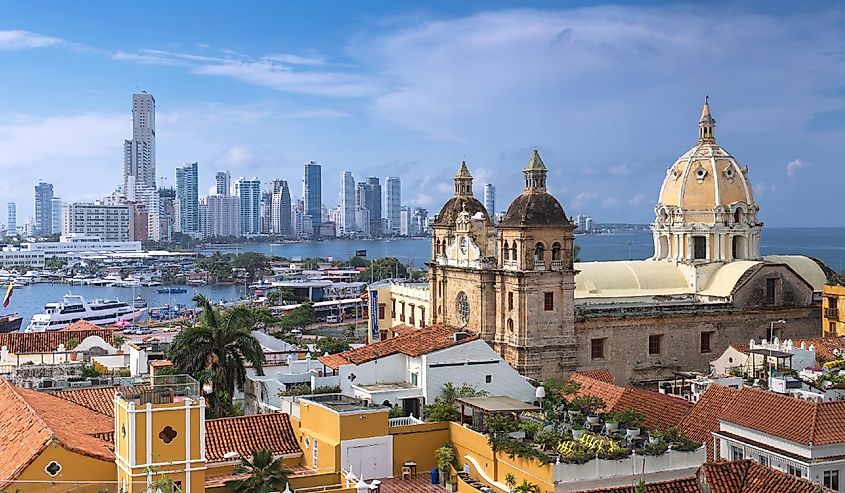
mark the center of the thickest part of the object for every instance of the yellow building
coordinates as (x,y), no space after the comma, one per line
(396,303)
(833,319)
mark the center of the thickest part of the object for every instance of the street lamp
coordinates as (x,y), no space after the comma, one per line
(772,328)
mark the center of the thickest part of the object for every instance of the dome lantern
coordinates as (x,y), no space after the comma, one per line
(535,173)
(463,181)
(706,125)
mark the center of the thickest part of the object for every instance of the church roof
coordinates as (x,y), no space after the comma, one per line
(535,163)
(535,209)
(454,206)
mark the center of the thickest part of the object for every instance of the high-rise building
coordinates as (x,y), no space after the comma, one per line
(139,156)
(264,215)
(187,198)
(362,220)
(249,192)
(368,196)
(347,204)
(167,216)
(107,222)
(298,218)
(224,183)
(312,193)
(220,216)
(43,208)
(490,200)
(56,216)
(280,212)
(392,204)
(405,223)
(420,221)
(12,219)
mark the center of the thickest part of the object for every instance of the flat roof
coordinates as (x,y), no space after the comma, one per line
(770,352)
(497,404)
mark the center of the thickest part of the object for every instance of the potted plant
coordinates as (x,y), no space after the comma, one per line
(577,431)
(450,485)
(72,343)
(611,423)
(654,437)
(444,456)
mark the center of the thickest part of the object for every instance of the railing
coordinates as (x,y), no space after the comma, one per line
(831,313)
(557,264)
(539,265)
(510,264)
(404,421)
(164,389)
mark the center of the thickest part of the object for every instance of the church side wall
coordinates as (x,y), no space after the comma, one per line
(626,347)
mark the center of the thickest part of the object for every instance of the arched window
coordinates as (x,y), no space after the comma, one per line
(738,216)
(556,251)
(510,325)
(539,252)
(462,304)
(513,251)
(507,252)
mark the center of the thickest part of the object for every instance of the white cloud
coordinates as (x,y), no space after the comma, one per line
(20,40)
(619,170)
(610,202)
(583,199)
(295,59)
(324,113)
(638,199)
(794,166)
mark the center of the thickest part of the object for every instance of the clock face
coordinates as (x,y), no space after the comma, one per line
(464,245)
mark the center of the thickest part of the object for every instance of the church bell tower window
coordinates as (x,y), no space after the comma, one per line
(462,303)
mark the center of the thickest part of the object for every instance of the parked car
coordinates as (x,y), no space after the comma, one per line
(333,319)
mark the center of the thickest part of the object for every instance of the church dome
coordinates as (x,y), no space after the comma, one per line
(706,178)
(535,207)
(462,200)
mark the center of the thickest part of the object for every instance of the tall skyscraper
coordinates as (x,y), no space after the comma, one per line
(280,212)
(490,200)
(12,219)
(187,198)
(392,204)
(56,216)
(167,215)
(43,208)
(347,204)
(249,192)
(312,193)
(220,216)
(139,153)
(374,205)
(224,183)
(405,222)
(264,214)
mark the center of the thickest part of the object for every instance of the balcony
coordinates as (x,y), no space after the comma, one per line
(405,421)
(539,265)
(510,264)
(164,389)
(557,264)
(831,313)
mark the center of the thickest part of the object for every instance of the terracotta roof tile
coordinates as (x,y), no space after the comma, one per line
(415,343)
(683,485)
(703,419)
(787,417)
(825,346)
(97,399)
(600,375)
(749,476)
(742,348)
(47,342)
(244,434)
(30,420)
(661,411)
(81,325)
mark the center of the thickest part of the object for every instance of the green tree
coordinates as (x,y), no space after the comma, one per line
(356,262)
(254,263)
(216,350)
(384,268)
(265,474)
(280,296)
(526,487)
(331,345)
(300,317)
(444,407)
(55,263)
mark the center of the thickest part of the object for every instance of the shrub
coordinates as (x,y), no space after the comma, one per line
(530,428)
(305,389)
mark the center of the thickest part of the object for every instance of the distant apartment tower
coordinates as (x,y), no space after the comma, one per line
(362,220)
(312,193)
(224,183)
(369,197)
(392,204)
(167,215)
(490,200)
(12,218)
(56,216)
(107,222)
(280,211)
(187,198)
(43,209)
(405,224)
(347,204)
(220,216)
(419,221)
(249,192)
(264,207)
(139,153)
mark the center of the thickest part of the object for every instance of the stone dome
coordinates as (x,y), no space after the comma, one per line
(455,205)
(534,209)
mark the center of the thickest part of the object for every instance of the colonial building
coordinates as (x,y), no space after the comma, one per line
(515,283)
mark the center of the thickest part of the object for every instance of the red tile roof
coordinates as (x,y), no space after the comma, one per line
(600,375)
(703,419)
(414,343)
(742,348)
(789,418)
(47,342)
(660,410)
(245,434)
(30,421)
(683,485)
(80,325)
(825,346)
(748,476)
(97,399)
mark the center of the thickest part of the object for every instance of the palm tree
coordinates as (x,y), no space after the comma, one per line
(265,474)
(527,487)
(216,349)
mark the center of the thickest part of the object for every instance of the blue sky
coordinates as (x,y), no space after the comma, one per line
(610,94)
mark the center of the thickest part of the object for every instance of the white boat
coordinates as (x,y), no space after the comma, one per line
(74,308)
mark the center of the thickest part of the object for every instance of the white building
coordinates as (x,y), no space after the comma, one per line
(490,199)
(107,222)
(759,357)
(220,216)
(362,221)
(796,436)
(187,198)
(410,370)
(406,225)
(73,245)
(223,181)
(12,219)
(249,193)
(392,204)
(56,216)
(347,204)
(139,156)
(13,257)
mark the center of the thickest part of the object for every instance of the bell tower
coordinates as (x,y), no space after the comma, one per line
(160,436)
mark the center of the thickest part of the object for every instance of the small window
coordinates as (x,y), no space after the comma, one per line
(510,300)
(794,470)
(764,459)
(705,341)
(381,311)
(488,378)
(597,348)
(167,435)
(831,479)
(736,453)
(548,301)
(414,378)
(392,309)
(53,468)
(654,343)
(510,325)
(771,291)
(699,247)
(506,251)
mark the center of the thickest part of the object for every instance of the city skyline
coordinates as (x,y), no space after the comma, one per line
(599,90)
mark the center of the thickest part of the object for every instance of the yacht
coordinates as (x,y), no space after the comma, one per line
(139,302)
(74,308)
